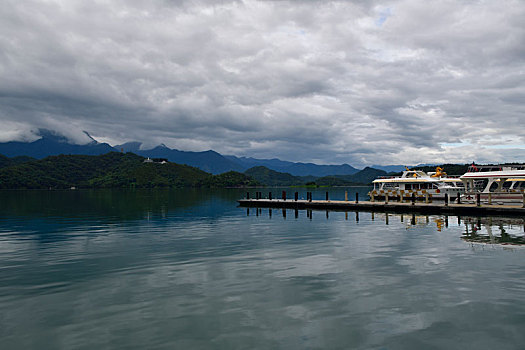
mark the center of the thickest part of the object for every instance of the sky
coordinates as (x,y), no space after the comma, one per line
(329,82)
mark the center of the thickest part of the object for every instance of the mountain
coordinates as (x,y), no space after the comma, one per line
(270,177)
(367,175)
(6,161)
(274,178)
(209,161)
(52,143)
(296,169)
(389,168)
(111,170)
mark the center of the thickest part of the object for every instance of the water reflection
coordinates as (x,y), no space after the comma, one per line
(493,230)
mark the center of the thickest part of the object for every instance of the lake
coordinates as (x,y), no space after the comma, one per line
(189,269)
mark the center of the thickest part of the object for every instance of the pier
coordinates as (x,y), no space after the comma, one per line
(410,206)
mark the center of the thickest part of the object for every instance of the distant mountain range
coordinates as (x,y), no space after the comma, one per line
(52,143)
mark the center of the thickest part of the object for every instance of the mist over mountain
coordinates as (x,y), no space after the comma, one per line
(52,143)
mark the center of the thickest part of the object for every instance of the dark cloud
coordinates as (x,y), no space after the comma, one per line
(327,81)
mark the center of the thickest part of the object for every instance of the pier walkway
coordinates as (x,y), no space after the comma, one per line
(393,207)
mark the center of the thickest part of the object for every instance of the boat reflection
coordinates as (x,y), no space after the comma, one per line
(491,230)
(494,230)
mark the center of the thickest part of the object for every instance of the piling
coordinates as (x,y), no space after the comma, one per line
(284,195)
(346,196)
(356,198)
(327,196)
(459,198)
(413,198)
(296,196)
(478,199)
(446,199)
(270,195)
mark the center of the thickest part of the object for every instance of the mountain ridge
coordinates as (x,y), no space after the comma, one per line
(53,143)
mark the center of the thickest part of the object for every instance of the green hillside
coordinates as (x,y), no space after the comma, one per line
(273,178)
(111,170)
(6,161)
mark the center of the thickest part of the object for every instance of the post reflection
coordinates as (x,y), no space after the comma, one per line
(491,230)
(494,230)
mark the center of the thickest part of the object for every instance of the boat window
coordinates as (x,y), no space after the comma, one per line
(408,186)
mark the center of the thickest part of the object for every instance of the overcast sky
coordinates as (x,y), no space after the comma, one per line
(358,82)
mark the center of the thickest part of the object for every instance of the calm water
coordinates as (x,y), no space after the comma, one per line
(190,270)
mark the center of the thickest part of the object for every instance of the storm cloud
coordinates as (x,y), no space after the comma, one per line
(363,82)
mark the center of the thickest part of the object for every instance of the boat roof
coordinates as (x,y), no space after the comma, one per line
(416,180)
(502,174)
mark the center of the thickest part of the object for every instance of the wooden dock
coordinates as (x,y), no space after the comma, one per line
(390,207)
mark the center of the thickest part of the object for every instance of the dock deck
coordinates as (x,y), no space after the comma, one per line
(393,207)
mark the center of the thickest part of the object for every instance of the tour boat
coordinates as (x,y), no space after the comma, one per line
(432,185)
(500,184)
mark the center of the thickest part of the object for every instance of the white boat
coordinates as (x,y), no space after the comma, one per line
(432,185)
(502,184)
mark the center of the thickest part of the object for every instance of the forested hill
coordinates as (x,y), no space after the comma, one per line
(111,170)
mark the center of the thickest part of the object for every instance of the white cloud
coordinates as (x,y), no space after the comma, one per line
(335,81)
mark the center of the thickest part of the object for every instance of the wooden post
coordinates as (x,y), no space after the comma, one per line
(327,196)
(478,199)
(356,197)
(386,198)
(413,198)
(247,195)
(372,197)
(284,195)
(346,196)
(459,198)
(490,199)
(523,198)
(270,195)
(296,196)
(426,197)
(446,199)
